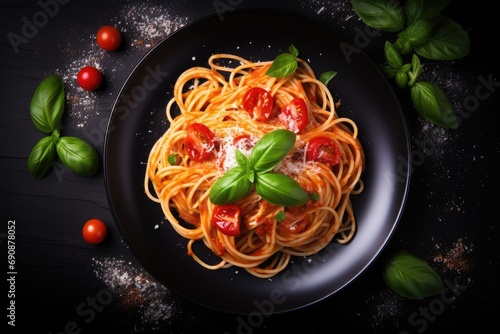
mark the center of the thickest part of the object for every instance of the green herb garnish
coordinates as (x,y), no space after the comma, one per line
(280,216)
(325,77)
(275,188)
(285,64)
(46,110)
(421,31)
(411,277)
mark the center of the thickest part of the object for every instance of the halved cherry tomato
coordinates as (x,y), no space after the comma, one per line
(226,218)
(199,142)
(294,222)
(94,231)
(294,115)
(243,142)
(259,103)
(323,149)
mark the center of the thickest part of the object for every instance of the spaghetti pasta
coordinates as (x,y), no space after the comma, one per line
(180,173)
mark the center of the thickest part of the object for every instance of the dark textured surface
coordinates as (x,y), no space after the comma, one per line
(451,203)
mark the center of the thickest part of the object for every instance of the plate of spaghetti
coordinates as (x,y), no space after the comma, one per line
(246,165)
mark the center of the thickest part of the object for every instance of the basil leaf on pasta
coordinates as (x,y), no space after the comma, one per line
(231,187)
(280,189)
(271,149)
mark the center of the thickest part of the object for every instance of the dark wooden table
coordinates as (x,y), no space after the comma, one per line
(61,284)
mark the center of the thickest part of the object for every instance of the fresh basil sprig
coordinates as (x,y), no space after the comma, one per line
(410,276)
(426,33)
(284,64)
(275,188)
(419,24)
(46,111)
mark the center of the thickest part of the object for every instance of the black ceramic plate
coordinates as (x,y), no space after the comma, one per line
(138,120)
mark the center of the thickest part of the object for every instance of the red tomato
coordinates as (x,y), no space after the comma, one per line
(294,222)
(226,218)
(259,103)
(89,78)
(109,38)
(94,231)
(199,142)
(323,149)
(294,115)
(243,141)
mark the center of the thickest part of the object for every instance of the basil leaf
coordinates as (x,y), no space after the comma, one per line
(411,277)
(325,77)
(447,41)
(432,103)
(293,50)
(417,33)
(172,159)
(271,149)
(41,157)
(77,155)
(416,70)
(402,76)
(280,189)
(231,187)
(245,164)
(392,56)
(423,9)
(385,15)
(388,70)
(285,64)
(314,196)
(47,104)
(401,80)
(403,46)
(279,216)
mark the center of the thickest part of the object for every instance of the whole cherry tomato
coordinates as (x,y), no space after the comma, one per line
(109,38)
(94,231)
(89,78)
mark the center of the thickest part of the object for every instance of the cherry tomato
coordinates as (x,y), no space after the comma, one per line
(226,218)
(199,142)
(293,222)
(243,142)
(323,149)
(259,103)
(89,78)
(294,115)
(109,38)
(94,231)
